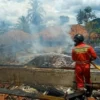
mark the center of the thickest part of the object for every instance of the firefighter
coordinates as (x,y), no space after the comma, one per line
(82,54)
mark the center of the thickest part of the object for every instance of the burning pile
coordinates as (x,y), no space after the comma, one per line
(51,60)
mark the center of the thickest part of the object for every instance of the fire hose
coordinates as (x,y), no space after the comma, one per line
(96,66)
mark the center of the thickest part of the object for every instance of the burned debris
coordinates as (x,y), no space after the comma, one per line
(51,60)
(43,92)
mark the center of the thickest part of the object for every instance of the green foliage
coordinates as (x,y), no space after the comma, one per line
(97,30)
(80,17)
(85,15)
(23,25)
(35,14)
(95,25)
(95,42)
(90,26)
(88,9)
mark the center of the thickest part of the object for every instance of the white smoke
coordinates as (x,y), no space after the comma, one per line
(55,36)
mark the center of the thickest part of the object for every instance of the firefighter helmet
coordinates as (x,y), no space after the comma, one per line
(78,38)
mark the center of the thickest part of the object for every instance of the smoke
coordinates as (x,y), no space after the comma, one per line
(56,31)
(54,38)
(52,35)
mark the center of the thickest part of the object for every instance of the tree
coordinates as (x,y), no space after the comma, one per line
(90,26)
(86,15)
(23,25)
(94,27)
(35,14)
(97,30)
(80,17)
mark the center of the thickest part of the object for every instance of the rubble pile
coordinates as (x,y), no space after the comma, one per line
(26,92)
(51,60)
(43,92)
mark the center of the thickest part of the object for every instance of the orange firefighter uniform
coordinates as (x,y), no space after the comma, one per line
(82,54)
